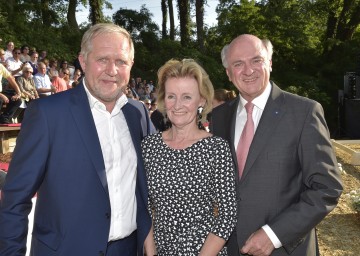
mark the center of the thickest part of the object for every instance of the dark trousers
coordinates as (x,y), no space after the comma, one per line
(11,107)
(123,247)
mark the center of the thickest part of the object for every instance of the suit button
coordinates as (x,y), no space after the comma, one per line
(107,215)
(101,253)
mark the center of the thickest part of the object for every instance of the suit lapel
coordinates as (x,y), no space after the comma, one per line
(85,122)
(134,127)
(273,112)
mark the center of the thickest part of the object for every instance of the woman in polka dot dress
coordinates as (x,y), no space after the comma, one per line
(190,172)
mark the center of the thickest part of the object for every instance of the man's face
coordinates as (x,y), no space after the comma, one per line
(107,67)
(42,69)
(34,57)
(248,66)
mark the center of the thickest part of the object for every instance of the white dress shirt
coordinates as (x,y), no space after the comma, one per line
(120,164)
(241,117)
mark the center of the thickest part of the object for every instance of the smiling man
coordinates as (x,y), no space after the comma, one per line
(79,152)
(287,176)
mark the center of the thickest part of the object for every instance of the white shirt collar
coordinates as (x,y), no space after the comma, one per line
(94,102)
(259,101)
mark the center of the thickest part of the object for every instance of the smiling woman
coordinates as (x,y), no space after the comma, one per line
(190,172)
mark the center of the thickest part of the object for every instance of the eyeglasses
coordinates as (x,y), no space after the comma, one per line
(66,73)
(17,52)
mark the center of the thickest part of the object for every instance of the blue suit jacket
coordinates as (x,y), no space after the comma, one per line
(58,156)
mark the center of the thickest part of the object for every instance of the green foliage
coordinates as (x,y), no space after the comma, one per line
(135,22)
(309,59)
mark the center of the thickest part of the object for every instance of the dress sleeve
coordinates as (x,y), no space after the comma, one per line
(224,190)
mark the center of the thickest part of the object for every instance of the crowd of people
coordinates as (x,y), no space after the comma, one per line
(38,77)
(256,181)
(34,75)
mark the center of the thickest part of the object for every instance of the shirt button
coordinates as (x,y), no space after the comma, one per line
(107,215)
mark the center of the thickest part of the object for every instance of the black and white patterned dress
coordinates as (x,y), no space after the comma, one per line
(184,188)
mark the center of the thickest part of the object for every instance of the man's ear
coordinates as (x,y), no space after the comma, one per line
(82,62)
(227,73)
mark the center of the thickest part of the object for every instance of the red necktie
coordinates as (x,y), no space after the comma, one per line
(245,139)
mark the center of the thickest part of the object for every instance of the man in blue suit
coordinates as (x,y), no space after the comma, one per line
(79,152)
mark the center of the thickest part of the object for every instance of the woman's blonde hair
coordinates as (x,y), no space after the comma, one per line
(180,69)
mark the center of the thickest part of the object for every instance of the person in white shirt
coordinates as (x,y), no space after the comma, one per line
(9,50)
(14,64)
(42,81)
(79,151)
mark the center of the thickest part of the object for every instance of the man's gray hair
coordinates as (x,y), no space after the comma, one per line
(266,43)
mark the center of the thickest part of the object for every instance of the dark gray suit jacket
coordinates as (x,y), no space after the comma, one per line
(290,180)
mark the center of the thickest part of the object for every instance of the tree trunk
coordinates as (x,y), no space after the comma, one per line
(45,13)
(96,15)
(184,17)
(200,23)
(331,25)
(172,20)
(349,20)
(71,15)
(164,18)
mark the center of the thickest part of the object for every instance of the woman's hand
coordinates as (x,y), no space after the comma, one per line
(149,244)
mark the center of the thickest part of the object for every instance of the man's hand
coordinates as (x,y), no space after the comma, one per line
(16,97)
(258,244)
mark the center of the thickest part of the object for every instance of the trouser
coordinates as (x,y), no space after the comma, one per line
(123,247)
(11,107)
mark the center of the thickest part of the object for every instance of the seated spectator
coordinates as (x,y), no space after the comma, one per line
(24,56)
(147,103)
(9,50)
(126,90)
(52,72)
(12,98)
(77,78)
(153,106)
(42,81)
(59,82)
(132,88)
(33,61)
(28,91)
(14,64)
(77,64)
(43,55)
(64,64)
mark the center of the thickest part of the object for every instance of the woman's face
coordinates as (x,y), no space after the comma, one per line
(182,99)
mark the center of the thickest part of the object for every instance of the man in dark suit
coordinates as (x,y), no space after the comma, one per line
(79,152)
(290,180)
